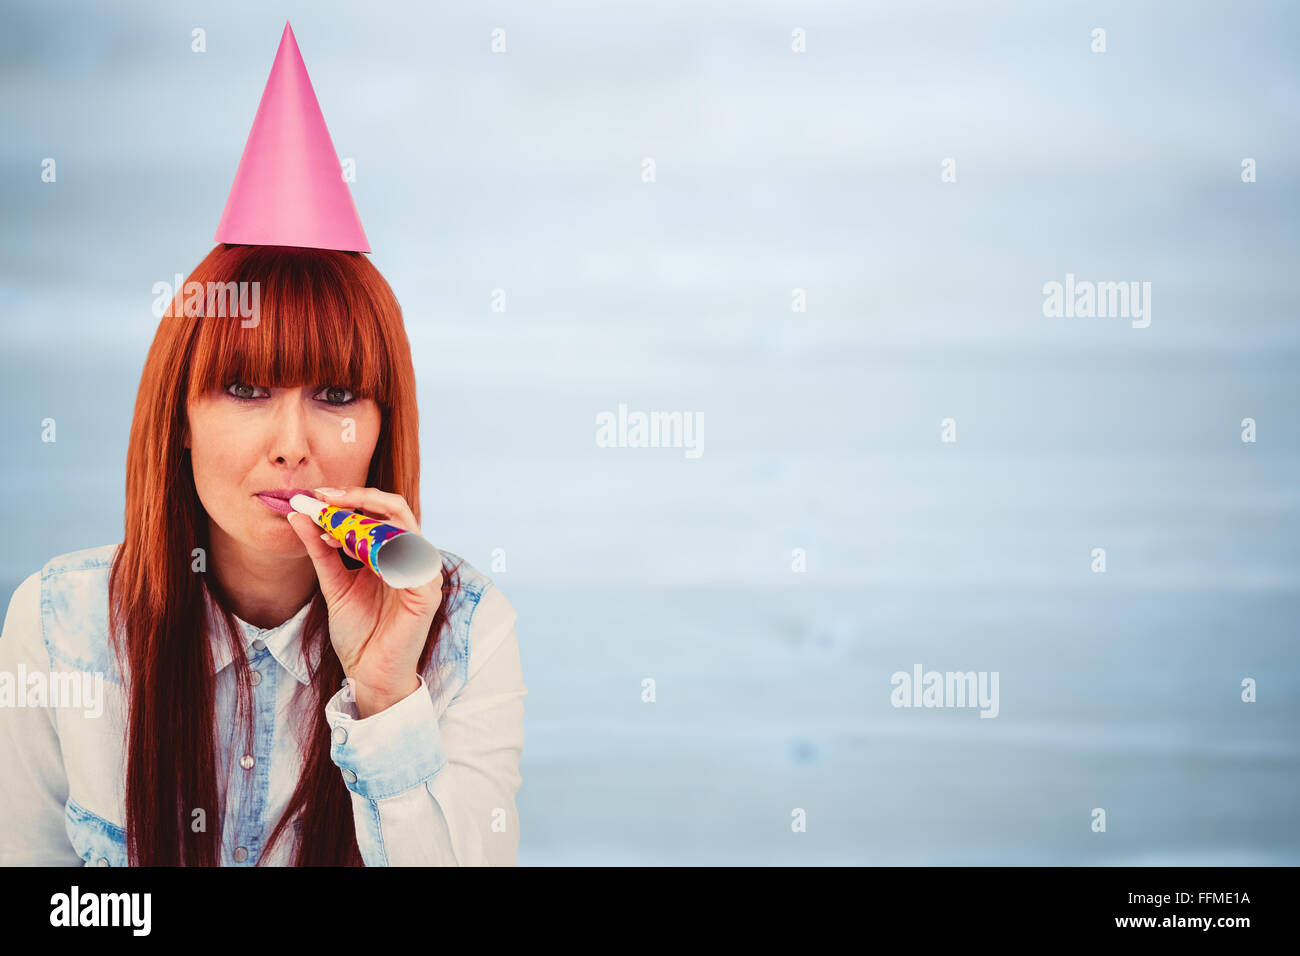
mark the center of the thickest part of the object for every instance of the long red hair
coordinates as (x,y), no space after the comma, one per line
(324,317)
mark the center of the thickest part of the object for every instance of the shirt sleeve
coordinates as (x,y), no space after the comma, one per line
(33,783)
(430,791)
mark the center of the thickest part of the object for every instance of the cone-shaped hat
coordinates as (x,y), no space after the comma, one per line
(289,188)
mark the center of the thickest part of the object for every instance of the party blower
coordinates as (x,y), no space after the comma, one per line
(401,558)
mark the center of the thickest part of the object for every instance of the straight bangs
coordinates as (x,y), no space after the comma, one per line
(277,316)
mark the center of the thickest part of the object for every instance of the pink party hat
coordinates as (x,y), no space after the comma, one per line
(289,189)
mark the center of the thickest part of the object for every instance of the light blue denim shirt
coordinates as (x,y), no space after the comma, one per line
(433,778)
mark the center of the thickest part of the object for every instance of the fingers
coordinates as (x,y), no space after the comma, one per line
(308,534)
(391,508)
(330,572)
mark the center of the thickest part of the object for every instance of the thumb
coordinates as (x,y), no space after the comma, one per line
(330,572)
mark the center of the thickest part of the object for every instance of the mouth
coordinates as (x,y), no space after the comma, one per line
(277,499)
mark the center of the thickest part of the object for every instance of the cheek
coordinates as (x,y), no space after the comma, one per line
(345,449)
(219,451)
(215,463)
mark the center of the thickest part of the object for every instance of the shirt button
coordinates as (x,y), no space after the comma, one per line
(340,735)
(241,854)
(102,862)
(259,645)
(256,678)
(349,776)
(246,761)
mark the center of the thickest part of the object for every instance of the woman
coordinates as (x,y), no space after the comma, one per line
(380,726)
(406,773)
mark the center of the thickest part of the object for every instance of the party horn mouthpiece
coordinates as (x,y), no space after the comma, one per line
(401,558)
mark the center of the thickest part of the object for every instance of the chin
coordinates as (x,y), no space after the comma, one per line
(283,541)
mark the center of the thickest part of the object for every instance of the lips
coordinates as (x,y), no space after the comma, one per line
(277,499)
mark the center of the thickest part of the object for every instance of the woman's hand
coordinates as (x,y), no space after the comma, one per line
(378,631)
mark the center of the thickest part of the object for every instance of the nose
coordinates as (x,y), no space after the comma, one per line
(288,440)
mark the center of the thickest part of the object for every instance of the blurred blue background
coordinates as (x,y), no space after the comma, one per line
(775,171)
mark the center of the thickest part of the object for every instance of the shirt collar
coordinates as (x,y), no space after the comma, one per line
(284,641)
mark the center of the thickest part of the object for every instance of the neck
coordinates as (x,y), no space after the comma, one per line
(263,589)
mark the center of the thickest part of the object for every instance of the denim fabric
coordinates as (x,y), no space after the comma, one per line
(391,761)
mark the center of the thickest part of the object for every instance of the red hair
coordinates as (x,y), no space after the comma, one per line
(324,316)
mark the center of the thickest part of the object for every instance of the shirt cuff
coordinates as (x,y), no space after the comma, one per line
(389,752)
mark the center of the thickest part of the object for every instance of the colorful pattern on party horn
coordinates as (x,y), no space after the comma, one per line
(401,558)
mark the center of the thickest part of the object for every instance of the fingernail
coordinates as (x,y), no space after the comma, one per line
(332,492)
(324,537)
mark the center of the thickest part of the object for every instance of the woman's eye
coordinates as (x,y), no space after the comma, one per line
(337,395)
(238,389)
